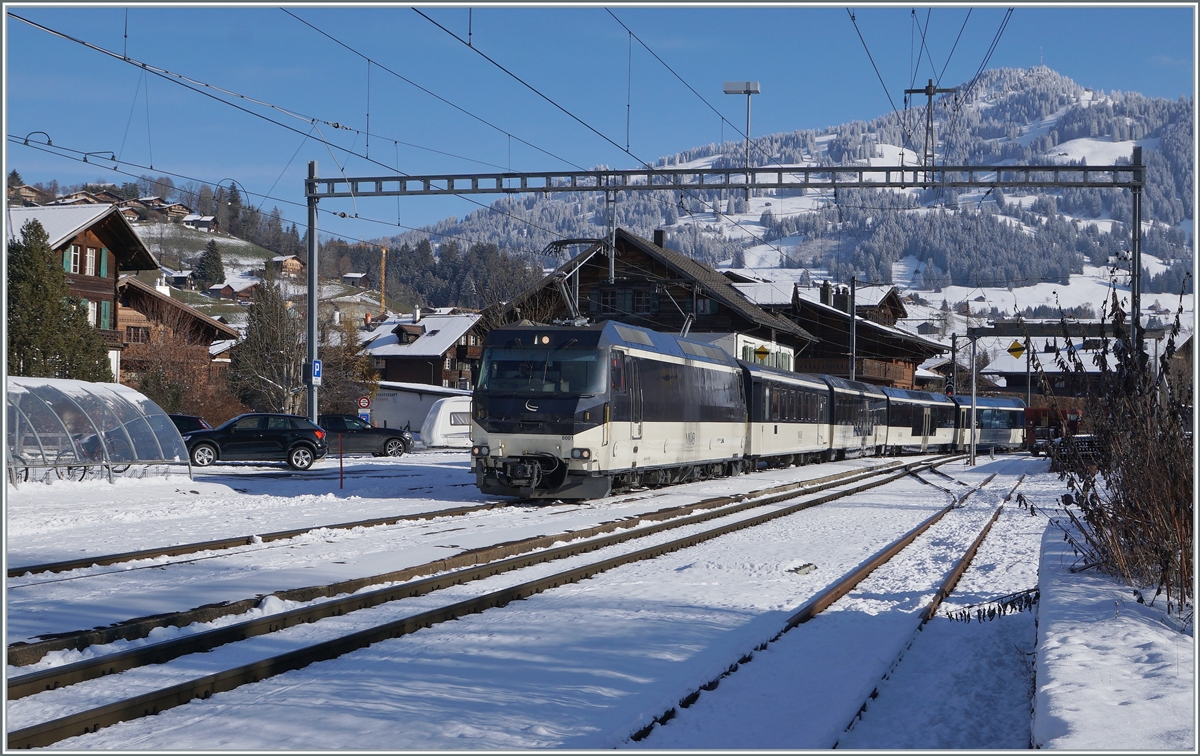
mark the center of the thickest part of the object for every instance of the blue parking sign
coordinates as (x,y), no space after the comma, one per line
(316,372)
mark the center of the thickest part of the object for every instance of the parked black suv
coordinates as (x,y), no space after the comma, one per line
(259,436)
(358,437)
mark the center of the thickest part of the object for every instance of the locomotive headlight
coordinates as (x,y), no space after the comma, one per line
(480,451)
(581,454)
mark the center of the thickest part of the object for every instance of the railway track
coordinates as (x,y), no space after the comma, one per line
(203,687)
(26,653)
(234,542)
(848,583)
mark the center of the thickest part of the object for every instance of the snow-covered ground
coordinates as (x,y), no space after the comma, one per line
(589,664)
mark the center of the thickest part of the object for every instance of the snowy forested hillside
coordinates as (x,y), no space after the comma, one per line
(968,239)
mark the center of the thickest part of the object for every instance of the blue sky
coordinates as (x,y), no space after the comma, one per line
(813,68)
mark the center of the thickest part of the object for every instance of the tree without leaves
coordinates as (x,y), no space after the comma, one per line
(346,369)
(266,369)
(49,335)
(174,368)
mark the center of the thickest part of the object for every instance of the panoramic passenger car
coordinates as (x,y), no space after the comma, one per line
(259,436)
(358,437)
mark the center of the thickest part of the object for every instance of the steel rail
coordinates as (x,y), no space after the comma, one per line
(154,702)
(249,540)
(822,601)
(88,669)
(945,589)
(23,654)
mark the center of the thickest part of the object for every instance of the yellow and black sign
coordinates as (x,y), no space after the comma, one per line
(761,353)
(1016,350)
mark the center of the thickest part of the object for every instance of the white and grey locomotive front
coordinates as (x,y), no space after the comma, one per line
(569,412)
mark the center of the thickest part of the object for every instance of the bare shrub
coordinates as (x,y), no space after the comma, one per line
(1131,504)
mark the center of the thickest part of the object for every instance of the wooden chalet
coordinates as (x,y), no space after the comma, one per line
(885,355)
(361,280)
(656,287)
(96,243)
(27,195)
(150,320)
(288,265)
(441,348)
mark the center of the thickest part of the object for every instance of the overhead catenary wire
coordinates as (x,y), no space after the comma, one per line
(907,135)
(960,100)
(431,93)
(577,119)
(51,149)
(199,86)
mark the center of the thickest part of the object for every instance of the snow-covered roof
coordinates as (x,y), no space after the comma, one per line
(441,333)
(64,222)
(61,222)
(220,347)
(281,258)
(423,388)
(767,293)
(353,275)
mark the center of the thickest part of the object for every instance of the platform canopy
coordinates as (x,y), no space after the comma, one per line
(57,423)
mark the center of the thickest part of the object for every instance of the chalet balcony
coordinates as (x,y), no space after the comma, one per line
(112,339)
(468,352)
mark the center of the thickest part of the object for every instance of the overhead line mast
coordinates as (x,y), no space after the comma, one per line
(927,159)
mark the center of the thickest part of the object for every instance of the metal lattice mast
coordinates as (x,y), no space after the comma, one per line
(927,158)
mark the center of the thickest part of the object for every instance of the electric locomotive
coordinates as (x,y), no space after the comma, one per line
(567,412)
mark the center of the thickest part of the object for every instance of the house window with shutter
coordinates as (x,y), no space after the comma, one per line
(74,265)
(91,311)
(608,300)
(106,315)
(90,262)
(103,262)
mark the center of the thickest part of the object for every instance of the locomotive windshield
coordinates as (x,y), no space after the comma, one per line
(540,371)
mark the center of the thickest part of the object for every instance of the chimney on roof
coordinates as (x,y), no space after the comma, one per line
(416,314)
(660,238)
(367,320)
(826,294)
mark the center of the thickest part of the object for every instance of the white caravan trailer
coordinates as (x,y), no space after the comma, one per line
(448,423)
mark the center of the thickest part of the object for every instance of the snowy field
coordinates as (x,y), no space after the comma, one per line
(587,665)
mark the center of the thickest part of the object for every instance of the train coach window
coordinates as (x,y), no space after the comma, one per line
(616,371)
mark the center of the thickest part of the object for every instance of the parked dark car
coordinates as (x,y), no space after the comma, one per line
(1078,453)
(358,437)
(189,423)
(259,436)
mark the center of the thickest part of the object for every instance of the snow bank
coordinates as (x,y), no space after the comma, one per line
(1111,673)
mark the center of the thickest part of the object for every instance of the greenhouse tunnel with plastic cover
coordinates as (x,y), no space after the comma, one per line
(76,429)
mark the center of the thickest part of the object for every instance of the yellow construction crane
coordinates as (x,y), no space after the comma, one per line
(382,283)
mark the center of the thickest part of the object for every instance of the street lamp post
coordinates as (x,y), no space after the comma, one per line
(747,88)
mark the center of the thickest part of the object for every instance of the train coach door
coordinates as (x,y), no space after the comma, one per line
(633,376)
(618,419)
(925,430)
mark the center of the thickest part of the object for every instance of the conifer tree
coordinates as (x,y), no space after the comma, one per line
(49,335)
(210,269)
